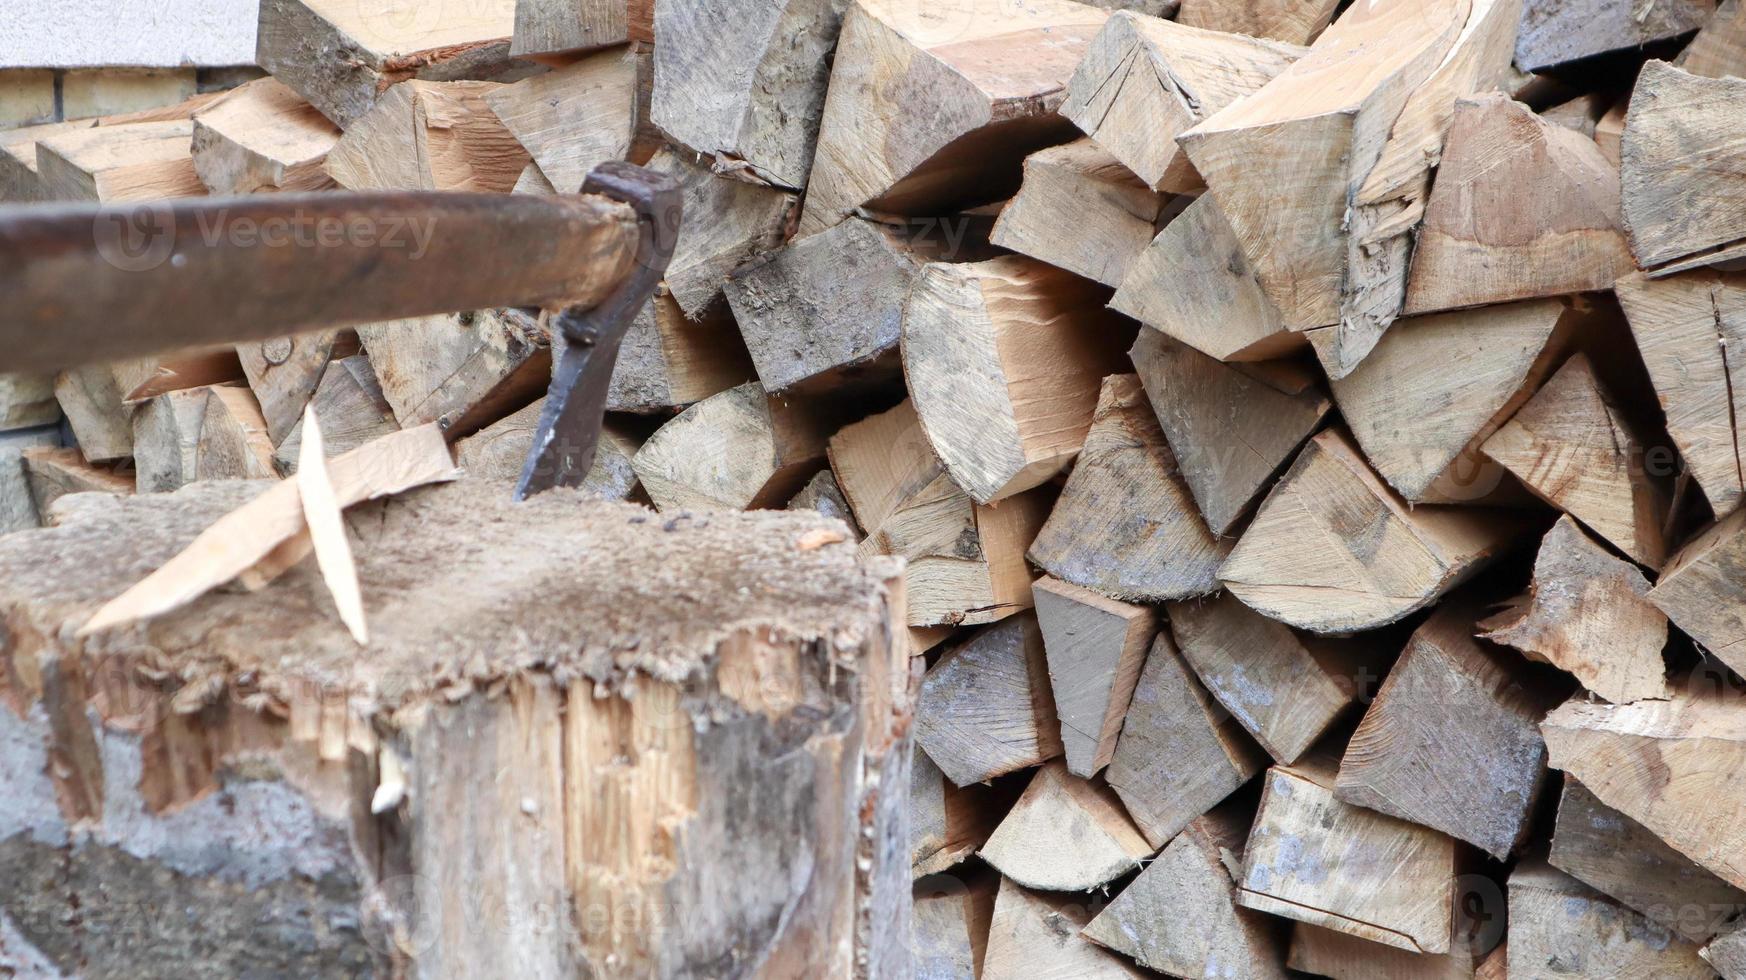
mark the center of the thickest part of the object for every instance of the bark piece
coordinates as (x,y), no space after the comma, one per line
(234,444)
(166,440)
(1291,21)
(1230,431)
(1558,31)
(1004,360)
(1181,917)
(461,371)
(139,162)
(1680,168)
(1327,953)
(1095,648)
(1588,614)
(262,137)
(976,84)
(986,708)
(1482,243)
(1126,524)
(439,136)
(948,823)
(574,118)
(1570,446)
(1451,741)
(91,398)
(1302,562)
(344,57)
(1285,690)
(1559,926)
(669,360)
(55,473)
(739,450)
(726,224)
(1317,860)
(1703,592)
(1145,81)
(1179,753)
(744,82)
(1065,834)
(1038,936)
(1080,210)
(354,412)
(499,451)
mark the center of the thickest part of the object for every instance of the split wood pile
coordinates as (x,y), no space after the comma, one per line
(1310,429)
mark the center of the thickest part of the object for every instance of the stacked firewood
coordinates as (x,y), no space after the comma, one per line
(1310,430)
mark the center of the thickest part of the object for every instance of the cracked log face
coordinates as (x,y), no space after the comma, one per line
(542,757)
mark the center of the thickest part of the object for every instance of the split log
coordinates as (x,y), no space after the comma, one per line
(1405,558)
(976,85)
(1004,360)
(1555,32)
(1095,647)
(344,57)
(1609,851)
(669,360)
(20,182)
(54,473)
(966,560)
(166,440)
(1587,613)
(27,400)
(146,378)
(952,918)
(1702,591)
(499,451)
(1145,81)
(1080,210)
(1181,916)
(1691,333)
(1559,926)
(1727,953)
(560,26)
(1609,132)
(1571,447)
(572,119)
(533,181)
(17,504)
(140,162)
(262,137)
(1285,690)
(1579,114)
(1195,285)
(1451,741)
(726,224)
(608,810)
(744,82)
(1038,937)
(1179,753)
(1484,243)
(1694,742)
(821,494)
(284,373)
(439,136)
(234,444)
(986,708)
(1126,524)
(1436,387)
(1231,431)
(1680,169)
(1065,834)
(739,450)
(1719,49)
(1315,859)
(948,823)
(91,399)
(461,371)
(351,408)
(1291,21)
(1327,953)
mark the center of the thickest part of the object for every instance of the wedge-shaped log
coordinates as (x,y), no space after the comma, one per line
(1588,613)
(285,371)
(1681,170)
(274,750)
(1231,431)
(138,162)
(966,560)
(743,81)
(1559,925)
(822,494)
(1570,446)
(1179,752)
(948,823)
(17,506)
(439,136)
(91,399)
(1291,21)
(986,708)
(351,410)
(1317,860)
(669,360)
(1720,47)
(1095,648)
(1436,387)
(1336,580)
(558,26)
(343,56)
(739,450)
(726,224)
(499,451)
(1484,242)
(1181,916)
(1451,741)
(1004,360)
(1691,333)
(54,473)
(1285,689)
(234,444)
(1557,31)
(573,118)
(1697,739)
(1036,935)
(458,370)
(20,182)
(166,440)
(1125,524)
(27,400)
(1080,210)
(262,137)
(1145,81)
(1065,834)
(1327,953)
(952,918)
(929,105)
(1703,592)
